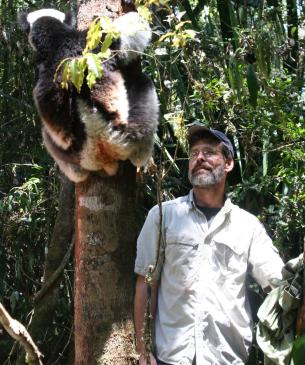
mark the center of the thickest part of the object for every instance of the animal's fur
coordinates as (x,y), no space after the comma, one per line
(93,129)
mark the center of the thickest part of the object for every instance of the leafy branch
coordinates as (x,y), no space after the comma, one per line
(89,64)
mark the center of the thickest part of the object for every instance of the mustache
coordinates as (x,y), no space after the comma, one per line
(201,166)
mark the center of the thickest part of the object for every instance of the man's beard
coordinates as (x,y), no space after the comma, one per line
(207,178)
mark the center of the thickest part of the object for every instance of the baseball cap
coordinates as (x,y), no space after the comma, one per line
(197,128)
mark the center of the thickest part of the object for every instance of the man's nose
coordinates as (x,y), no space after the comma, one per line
(201,155)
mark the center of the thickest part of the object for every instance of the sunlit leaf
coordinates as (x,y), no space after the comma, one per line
(144,13)
(109,27)
(65,76)
(93,36)
(182,24)
(166,35)
(106,43)
(104,55)
(76,70)
(190,33)
(91,78)
(94,64)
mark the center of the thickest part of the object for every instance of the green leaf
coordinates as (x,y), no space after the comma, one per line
(164,36)
(181,24)
(94,64)
(144,13)
(94,36)
(253,85)
(91,78)
(65,76)
(104,55)
(77,70)
(73,71)
(298,351)
(95,69)
(108,27)
(107,43)
(190,33)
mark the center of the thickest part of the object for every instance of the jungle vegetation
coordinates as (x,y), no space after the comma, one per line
(235,65)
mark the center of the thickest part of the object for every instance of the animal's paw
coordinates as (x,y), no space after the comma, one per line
(150,167)
(111,168)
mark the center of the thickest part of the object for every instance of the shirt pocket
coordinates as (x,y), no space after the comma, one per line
(227,257)
(181,260)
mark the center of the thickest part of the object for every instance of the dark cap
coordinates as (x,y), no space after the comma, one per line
(199,129)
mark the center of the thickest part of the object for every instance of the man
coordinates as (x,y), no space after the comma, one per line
(207,247)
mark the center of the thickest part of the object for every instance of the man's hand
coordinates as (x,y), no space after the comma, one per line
(144,361)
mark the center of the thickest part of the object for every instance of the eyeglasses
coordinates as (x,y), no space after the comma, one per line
(207,153)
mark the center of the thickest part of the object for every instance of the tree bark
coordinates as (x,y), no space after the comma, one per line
(104,258)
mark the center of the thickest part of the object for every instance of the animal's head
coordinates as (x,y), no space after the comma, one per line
(46,28)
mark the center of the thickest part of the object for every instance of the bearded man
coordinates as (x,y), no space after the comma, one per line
(206,247)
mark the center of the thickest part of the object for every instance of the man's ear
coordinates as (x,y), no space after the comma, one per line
(229,164)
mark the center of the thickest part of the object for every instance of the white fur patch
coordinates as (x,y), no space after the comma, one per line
(34,15)
(120,100)
(135,35)
(99,131)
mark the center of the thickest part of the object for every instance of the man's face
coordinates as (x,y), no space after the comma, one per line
(207,164)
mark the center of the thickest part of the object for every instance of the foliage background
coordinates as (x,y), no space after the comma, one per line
(234,65)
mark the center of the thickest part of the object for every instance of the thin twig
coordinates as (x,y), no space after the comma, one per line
(56,274)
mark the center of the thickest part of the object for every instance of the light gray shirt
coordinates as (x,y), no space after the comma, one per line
(202,302)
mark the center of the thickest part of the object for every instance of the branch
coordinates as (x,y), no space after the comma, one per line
(19,333)
(16,100)
(56,274)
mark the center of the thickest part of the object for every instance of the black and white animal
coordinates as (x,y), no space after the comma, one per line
(116,119)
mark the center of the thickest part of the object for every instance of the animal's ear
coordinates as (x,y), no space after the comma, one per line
(69,19)
(22,20)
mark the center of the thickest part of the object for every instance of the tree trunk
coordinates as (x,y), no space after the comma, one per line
(104,258)
(104,252)
(225,23)
(292,26)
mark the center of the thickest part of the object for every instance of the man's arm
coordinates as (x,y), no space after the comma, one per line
(140,306)
(265,262)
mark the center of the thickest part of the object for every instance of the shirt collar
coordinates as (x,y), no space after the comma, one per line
(227,207)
